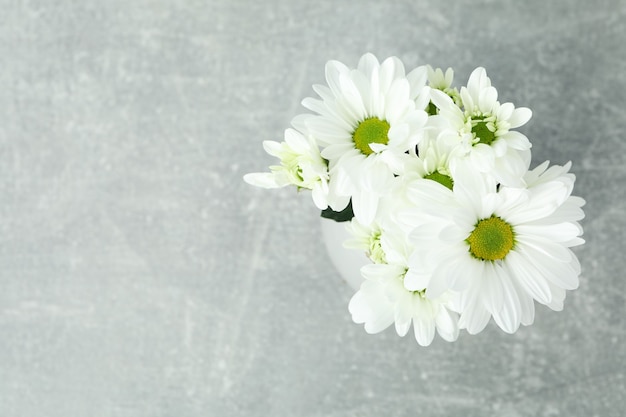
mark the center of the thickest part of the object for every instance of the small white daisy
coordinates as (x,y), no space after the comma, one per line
(368,237)
(482,126)
(367,119)
(383,299)
(301,165)
(501,247)
(431,161)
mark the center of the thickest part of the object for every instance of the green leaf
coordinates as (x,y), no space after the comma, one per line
(344,215)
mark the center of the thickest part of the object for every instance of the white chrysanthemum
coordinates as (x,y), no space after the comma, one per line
(367,119)
(367,237)
(301,165)
(431,161)
(501,247)
(483,129)
(383,300)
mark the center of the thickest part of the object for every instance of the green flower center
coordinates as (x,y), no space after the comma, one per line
(372,130)
(432,109)
(442,179)
(492,239)
(481,131)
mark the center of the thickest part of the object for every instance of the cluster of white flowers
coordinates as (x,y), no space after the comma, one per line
(458,228)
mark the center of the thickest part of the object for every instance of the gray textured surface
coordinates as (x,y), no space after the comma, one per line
(140,276)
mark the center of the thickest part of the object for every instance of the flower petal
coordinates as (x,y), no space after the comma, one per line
(529,279)
(262,179)
(509,316)
(520,116)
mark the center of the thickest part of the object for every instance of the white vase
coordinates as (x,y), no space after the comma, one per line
(348,262)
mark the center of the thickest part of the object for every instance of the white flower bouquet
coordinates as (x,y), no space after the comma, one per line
(435,187)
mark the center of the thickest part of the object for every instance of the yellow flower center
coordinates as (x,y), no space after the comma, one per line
(492,239)
(372,130)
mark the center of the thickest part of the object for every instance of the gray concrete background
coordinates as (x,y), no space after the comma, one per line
(140,276)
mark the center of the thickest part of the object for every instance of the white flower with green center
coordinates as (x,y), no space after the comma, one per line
(369,237)
(383,300)
(482,126)
(500,247)
(431,162)
(367,119)
(301,165)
